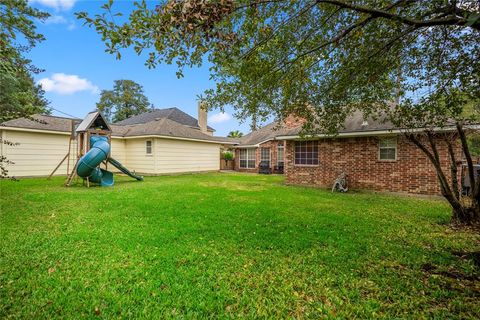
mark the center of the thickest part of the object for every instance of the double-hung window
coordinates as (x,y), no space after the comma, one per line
(306,152)
(148,147)
(280,155)
(247,158)
(387,149)
(265,155)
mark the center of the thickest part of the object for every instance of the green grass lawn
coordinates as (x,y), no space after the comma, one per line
(225,246)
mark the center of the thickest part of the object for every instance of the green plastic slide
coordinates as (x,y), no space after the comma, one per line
(88,165)
(124,170)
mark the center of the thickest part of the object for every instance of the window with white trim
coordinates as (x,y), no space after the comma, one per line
(306,152)
(247,158)
(280,155)
(387,149)
(148,147)
(265,155)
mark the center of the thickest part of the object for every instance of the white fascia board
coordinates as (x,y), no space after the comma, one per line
(247,146)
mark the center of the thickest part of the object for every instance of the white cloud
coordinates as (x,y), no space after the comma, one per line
(56,4)
(59,19)
(56,19)
(219,117)
(67,84)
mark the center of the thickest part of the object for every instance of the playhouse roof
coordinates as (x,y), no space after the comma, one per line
(94,119)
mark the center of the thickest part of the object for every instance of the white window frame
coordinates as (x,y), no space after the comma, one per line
(147,146)
(247,152)
(282,160)
(391,143)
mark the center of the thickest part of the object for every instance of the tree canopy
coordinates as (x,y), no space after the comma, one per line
(278,57)
(125,100)
(235,134)
(19,95)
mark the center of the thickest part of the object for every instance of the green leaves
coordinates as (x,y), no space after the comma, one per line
(320,60)
(125,100)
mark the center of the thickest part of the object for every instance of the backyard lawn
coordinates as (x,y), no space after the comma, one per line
(229,245)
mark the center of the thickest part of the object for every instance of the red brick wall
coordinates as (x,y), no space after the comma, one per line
(412,172)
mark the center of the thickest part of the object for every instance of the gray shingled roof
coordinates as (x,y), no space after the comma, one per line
(265,133)
(161,127)
(354,123)
(167,127)
(173,114)
(43,122)
(164,127)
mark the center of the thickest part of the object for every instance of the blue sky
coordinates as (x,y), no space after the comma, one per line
(77,68)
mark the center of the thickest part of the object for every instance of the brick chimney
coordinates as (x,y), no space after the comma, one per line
(202,117)
(293,121)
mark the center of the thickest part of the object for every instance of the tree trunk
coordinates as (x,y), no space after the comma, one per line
(464,210)
(466,215)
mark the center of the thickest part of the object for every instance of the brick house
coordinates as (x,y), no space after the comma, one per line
(372,153)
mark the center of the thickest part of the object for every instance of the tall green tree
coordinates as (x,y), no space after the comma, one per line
(125,100)
(417,62)
(19,95)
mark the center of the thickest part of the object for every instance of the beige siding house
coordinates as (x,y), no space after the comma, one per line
(161,141)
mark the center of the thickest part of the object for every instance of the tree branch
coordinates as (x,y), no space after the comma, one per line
(433,156)
(453,167)
(379,13)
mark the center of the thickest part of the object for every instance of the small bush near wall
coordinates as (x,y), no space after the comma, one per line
(227,155)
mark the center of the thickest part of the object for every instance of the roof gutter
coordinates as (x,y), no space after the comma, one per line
(247,146)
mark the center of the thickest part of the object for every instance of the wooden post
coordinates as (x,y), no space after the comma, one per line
(72,175)
(58,166)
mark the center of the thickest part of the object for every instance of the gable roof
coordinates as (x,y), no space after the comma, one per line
(263,134)
(164,127)
(173,114)
(93,119)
